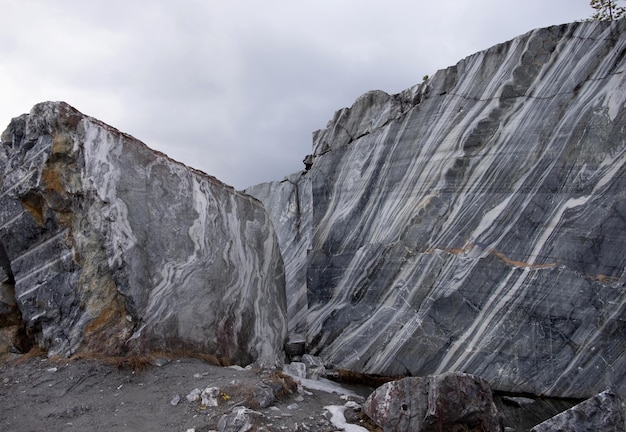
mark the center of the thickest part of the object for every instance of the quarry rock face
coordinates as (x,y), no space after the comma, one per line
(111,247)
(475,222)
(288,203)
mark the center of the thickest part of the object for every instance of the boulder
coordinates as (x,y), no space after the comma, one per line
(115,248)
(454,401)
(604,412)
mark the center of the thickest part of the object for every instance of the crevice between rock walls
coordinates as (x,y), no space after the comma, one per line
(13,336)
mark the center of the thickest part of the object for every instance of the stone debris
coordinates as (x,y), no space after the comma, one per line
(240,419)
(240,406)
(194,395)
(289,409)
(175,400)
(263,394)
(209,396)
(296,369)
(338,419)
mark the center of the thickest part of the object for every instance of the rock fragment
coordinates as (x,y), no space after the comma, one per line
(194,395)
(240,419)
(175,400)
(604,412)
(263,394)
(209,396)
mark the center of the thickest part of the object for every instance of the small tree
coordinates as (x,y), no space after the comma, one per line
(606,10)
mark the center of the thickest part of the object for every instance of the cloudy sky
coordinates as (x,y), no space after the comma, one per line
(235,88)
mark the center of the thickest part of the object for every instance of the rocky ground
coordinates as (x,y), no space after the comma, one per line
(41,394)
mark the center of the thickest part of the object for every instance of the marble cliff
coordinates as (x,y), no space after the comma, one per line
(110,247)
(475,222)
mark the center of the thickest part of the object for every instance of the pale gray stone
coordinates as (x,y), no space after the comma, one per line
(209,396)
(194,395)
(240,419)
(263,394)
(115,247)
(473,222)
(297,369)
(289,205)
(312,361)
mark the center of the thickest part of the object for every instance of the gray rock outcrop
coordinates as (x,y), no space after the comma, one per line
(475,222)
(113,247)
(447,402)
(604,412)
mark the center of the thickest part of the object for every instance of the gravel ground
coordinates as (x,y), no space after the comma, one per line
(41,394)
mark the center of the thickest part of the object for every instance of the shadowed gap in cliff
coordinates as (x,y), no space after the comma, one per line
(10,315)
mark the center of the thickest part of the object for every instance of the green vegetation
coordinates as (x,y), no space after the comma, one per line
(606,10)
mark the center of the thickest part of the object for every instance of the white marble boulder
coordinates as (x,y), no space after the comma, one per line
(113,247)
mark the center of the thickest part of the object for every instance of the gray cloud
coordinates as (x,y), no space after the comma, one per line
(236,89)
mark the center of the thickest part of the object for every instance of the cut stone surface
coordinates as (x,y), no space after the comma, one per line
(474,222)
(289,205)
(114,247)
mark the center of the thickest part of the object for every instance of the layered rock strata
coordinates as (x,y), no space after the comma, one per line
(477,222)
(604,412)
(113,247)
(288,203)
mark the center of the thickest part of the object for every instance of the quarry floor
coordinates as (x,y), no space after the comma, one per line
(40,394)
(86,395)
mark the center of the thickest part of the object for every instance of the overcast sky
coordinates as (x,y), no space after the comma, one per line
(236,88)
